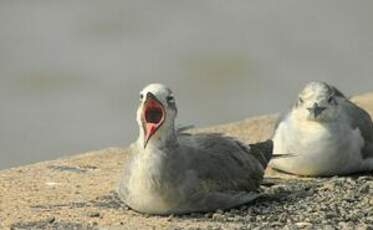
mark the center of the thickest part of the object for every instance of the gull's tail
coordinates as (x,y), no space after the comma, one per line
(263,152)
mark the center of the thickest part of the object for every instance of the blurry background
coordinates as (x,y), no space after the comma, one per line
(70,71)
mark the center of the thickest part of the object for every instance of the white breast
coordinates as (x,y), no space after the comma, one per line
(143,194)
(321,150)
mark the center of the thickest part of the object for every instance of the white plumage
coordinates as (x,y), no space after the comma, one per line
(328,134)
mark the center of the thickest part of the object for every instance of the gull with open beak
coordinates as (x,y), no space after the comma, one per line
(171,172)
(329,134)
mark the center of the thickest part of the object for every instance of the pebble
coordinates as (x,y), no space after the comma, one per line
(327,203)
(303,224)
(170,218)
(218,217)
(364,189)
(208,215)
(51,219)
(93,214)
(364,227)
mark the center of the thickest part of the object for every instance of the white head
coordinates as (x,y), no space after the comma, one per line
(156,115)
(318,102)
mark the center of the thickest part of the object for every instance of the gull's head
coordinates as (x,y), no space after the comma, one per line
(156,113)
(318,102)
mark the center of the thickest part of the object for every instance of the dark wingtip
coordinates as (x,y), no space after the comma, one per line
(262,151)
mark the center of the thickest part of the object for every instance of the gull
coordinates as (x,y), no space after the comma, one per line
(171,172)
(329,134)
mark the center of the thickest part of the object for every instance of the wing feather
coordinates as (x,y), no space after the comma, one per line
(360,119)
(223,162)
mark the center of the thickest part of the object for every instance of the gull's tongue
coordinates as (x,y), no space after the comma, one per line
(150,129)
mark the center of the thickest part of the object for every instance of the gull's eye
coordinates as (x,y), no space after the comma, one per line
(331,100)
(170,99)
(141,96)
(299,102)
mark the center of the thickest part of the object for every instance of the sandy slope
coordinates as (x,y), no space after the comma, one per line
(77,193)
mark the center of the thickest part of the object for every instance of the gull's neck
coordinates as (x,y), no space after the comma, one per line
(165,136)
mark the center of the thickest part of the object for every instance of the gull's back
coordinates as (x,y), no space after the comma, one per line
(225,163)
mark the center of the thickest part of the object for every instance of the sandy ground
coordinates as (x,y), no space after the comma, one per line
(78,193)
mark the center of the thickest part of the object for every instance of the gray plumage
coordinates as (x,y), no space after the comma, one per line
(329,134)
(182,173)
(361,120)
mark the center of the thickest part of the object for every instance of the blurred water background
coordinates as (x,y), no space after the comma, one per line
(70,71)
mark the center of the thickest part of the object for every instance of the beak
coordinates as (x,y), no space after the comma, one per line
(153,116)
(316,110)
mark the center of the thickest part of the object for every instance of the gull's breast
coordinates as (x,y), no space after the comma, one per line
(145,189)
(320,150)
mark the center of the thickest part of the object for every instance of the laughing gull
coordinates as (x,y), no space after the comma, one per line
(171,172)
(329,134)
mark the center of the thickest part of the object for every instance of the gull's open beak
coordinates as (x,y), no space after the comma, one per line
(153,116)
(316,110)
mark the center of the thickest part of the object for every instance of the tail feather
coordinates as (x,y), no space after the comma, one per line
(287,155)
(263,152)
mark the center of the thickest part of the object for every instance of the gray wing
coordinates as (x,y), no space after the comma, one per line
(337,92)
(223,163)
(359,118)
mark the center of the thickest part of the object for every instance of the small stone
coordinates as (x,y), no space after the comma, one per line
(364,227)
(210,227)
(276,224)
(195,215)
(330,215)
(303,224)
(328,227)
(364,189)
(243,207)
(51,219)
(237,218)
(289,227)
(282,218)
(350,181)
(173,228)
(363,179)
(208,215)
(93,214)
(170,217)
(219,211)
(192,228)
(349,197)
(218,217)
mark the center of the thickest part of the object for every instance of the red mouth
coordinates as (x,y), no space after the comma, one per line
(153,116)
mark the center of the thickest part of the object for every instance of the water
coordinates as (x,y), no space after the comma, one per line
(70,71)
